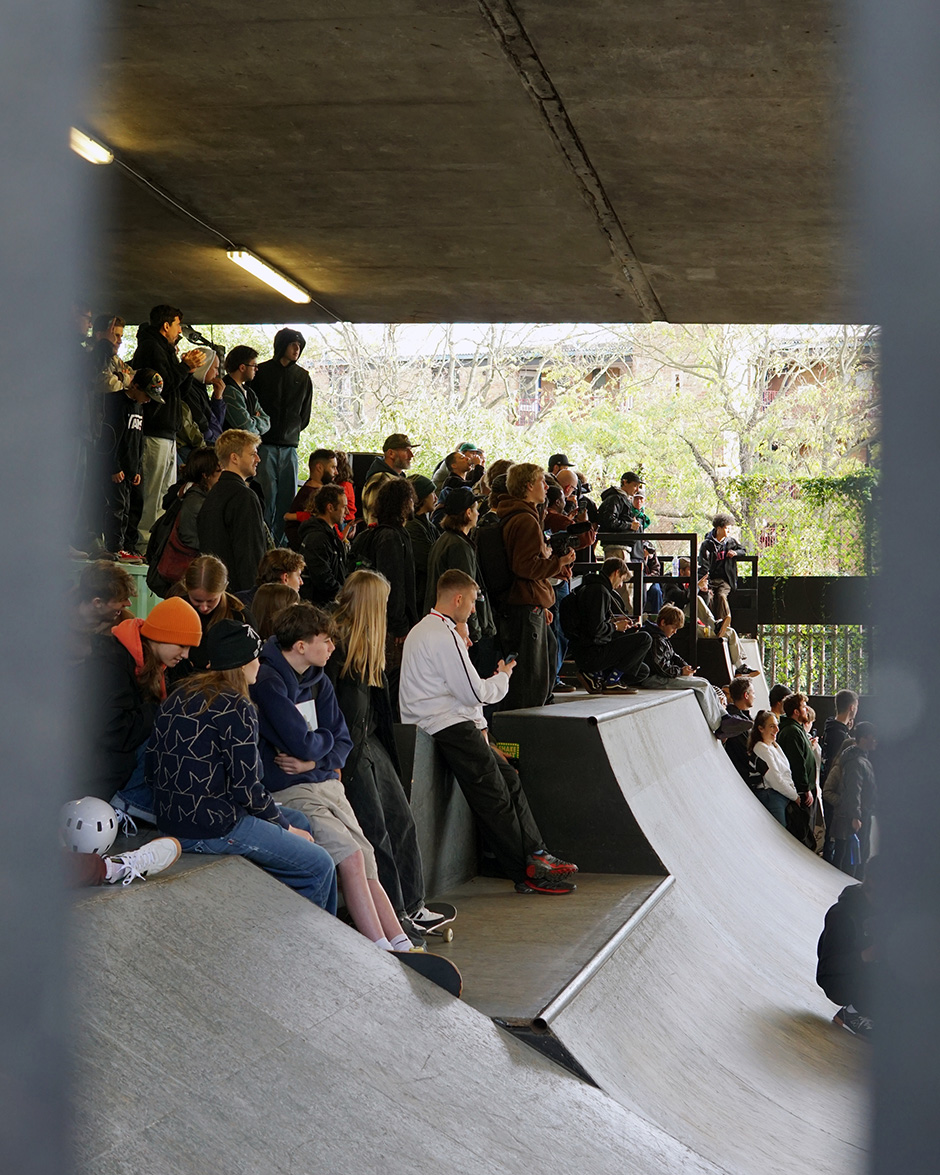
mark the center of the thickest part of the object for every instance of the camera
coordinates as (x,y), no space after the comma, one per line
(563,541)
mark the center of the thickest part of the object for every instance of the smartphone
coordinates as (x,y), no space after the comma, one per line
(509,657)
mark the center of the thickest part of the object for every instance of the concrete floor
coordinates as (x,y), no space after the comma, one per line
(517,952)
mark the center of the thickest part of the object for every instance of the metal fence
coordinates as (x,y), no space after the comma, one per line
(817,658)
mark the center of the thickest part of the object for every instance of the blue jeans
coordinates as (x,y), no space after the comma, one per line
(775,803)
(136,796)
(277,474)
(296,862)
(562,589)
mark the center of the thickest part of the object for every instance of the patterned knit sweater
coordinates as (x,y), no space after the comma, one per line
(205,767)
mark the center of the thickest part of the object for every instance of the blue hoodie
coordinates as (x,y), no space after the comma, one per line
(277,693)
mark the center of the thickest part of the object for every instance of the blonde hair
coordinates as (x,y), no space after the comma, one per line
(268,603)
(361,625)
(234,440)
(213,683)
(520,477)
(371,492)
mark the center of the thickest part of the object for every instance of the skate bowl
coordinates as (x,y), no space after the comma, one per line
(226,1025)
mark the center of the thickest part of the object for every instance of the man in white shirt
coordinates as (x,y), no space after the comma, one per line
(441,692)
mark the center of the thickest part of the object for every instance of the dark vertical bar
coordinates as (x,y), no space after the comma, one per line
(896,71)
(39,217)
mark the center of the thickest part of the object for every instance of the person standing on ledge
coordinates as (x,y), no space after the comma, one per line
(285,394)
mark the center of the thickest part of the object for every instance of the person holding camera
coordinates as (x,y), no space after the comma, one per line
(527,615)
(607,646)
(566,529)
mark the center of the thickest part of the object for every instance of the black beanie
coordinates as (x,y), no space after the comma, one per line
(230,645)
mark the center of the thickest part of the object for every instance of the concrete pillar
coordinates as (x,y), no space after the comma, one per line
(39,218)
(895,70)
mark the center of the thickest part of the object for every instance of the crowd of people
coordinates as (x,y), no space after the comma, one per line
(251,711)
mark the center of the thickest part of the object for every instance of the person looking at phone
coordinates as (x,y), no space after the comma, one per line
(441,691)
(607,646)
(669,671)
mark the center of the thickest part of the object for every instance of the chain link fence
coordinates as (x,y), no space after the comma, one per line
(817,658)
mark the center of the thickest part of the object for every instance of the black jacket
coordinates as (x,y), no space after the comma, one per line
(662,659)
(616,511)
(597,603)
(368,713)
(153,350)
(325,555)
(713,559)
(388,550)
(423,534)
(379,465)
(857,796)
(454,550)
(841,972)
(231,527)
(121,439)
(118,716)
(834,735)
(284,393)
(737,746)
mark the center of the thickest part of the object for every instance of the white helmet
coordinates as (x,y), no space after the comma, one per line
(88,826)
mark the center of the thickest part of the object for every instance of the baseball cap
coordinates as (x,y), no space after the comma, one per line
(558,459)
(398,440)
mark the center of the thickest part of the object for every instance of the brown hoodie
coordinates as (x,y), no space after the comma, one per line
(529,556)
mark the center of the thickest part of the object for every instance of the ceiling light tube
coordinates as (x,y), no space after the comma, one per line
(261,270)
(82,145)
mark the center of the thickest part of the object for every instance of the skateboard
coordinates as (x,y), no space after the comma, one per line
(434,967)
(443,929)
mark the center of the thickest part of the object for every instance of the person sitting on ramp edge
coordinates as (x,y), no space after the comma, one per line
(443,694)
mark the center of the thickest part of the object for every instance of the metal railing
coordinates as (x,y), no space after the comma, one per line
(817,658)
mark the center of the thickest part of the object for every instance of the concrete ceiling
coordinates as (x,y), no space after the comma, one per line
(473,160)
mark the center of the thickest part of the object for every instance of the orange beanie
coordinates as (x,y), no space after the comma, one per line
(173,622)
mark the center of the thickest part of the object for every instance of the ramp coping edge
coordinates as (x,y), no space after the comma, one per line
(544,1018)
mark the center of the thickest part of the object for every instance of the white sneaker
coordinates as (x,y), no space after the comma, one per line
(153,857)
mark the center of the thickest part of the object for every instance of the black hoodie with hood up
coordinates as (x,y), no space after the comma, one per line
(285,393)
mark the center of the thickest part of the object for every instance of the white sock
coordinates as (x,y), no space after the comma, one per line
(383,944)
(114,870)
(401,942)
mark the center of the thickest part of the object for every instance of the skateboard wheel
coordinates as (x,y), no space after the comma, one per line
(447,934)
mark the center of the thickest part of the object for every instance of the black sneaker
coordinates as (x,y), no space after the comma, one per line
(853,1022)
(545,883)
(590,683)
(544,862)
(563,687)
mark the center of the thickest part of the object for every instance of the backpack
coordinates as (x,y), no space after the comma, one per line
(493,563)
(832,788)
(361,554)
(167,557)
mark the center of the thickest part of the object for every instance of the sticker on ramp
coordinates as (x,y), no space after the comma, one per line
(510,750)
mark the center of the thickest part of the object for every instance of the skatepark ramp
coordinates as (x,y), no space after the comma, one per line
(705,1019)
(226,1025)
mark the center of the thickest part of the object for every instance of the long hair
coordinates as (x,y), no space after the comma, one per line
(213,683)
(151,676)
(206,573)
(755,736)
(269,602)
(361,625)
(343,468)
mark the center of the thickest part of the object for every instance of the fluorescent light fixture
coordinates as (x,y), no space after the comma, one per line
(82,145)
(261,270)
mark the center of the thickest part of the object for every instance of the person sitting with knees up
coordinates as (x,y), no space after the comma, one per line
(126,683)
(205,767)
(607,647)
(848,953)
(304,745)
(443,694)
(669,671)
